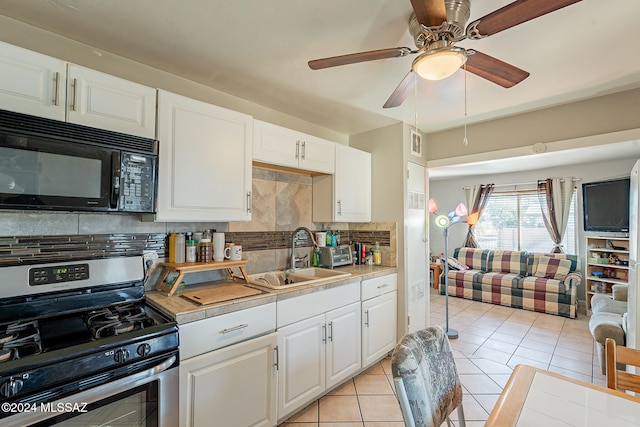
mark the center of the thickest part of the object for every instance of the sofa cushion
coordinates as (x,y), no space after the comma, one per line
(534,258)
(508,262)
(508,280)
(552,268)
(552,286)
(464,276)
(456,265)
(475,259)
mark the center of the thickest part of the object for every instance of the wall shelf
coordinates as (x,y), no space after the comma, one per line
(611,273)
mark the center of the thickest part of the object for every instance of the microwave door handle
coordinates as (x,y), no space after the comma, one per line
(115,180)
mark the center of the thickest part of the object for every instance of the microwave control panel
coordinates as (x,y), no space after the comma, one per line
(137,186)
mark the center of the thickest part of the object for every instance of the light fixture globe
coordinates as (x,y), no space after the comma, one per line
(439,64)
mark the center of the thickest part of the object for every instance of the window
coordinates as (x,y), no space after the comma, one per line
(513,221)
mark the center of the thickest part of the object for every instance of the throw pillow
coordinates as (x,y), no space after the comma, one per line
(456,265)
(553,268)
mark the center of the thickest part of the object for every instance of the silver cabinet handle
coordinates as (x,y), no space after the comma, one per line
(304,145)
(249,201)
(324,333)
(297,150)
(56,89)
(339,207)
(276,358)
(383,286)
(366,318)
(235,328)
(331,331)
(74,98)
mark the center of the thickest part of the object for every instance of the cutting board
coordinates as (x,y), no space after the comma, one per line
(220,293)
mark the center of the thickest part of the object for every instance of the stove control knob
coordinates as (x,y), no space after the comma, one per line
(11,388)
(121,356)
(143,350)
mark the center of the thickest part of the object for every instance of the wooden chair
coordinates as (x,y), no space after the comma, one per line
(618,379)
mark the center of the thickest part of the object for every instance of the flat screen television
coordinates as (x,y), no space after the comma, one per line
(605,205)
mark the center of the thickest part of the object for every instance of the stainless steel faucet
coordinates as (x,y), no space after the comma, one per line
(295,259)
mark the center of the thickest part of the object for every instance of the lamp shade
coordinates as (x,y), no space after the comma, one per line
(439,64)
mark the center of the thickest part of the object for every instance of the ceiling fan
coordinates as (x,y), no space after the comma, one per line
(436,26)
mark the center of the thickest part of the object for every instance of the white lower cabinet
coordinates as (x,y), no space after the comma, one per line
(379,311)
(318,352)
(234,385)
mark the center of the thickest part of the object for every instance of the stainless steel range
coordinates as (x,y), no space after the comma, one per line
(79,346)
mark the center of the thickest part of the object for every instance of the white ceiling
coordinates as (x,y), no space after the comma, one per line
(258,50)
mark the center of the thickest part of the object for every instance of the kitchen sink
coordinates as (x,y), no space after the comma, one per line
(299,277)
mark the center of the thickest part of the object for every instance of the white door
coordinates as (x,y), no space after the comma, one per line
(378,327)
(352,185)
(32,83)
(107,102)
(275,145)
(301,364)
(317,155)
(233,386)
(417,273)
(343,343)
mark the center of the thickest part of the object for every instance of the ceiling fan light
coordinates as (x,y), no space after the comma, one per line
(439,64)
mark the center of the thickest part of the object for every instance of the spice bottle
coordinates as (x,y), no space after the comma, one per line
(205,250)
(377,256)
(191,251)
(172,247)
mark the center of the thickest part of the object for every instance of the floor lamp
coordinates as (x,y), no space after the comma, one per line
(446,222)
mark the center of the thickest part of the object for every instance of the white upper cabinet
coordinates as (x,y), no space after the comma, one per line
(205,161)
(107,102)
(36,84)
(346,195)
(280,146)
(32,83)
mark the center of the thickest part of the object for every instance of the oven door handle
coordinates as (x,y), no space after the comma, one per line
(160,367)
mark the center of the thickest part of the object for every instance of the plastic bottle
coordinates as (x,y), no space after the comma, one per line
(334,240)
(328,238)
(191,251)
(315,258)
(180,248)
(172,247)
(377,255)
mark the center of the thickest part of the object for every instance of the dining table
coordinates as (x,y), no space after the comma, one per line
(536,397)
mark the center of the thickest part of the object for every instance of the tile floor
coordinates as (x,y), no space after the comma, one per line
(493,339)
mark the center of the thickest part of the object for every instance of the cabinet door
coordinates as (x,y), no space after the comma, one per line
(107,102)
(317,155)
(32,83)
(301,364)
(205,161)
(343,343)
(233,386)
(378,327)
(275,145)
(352,185)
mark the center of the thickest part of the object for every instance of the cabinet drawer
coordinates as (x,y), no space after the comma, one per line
(380,285)
(303,307)
(209,334)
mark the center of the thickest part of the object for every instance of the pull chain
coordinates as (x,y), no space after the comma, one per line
(465,141)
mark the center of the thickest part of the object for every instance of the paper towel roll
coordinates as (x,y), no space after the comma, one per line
(218,246)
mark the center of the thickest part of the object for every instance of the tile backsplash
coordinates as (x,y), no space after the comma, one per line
(281,201)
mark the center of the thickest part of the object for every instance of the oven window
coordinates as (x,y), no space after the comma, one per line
(133,408)
(47,174)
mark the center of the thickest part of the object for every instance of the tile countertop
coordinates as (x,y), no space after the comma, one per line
(185,311)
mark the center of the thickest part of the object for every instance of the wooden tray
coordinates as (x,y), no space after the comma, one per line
(220,293)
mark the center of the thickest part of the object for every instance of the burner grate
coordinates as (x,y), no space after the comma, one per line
(117,320)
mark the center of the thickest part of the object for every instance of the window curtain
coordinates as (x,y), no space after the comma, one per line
(477,197)
(555,196)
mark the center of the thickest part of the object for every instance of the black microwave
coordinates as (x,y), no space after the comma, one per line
(53,165)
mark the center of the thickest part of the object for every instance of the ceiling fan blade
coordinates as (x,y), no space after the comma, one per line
(354,58)
(514,14)
(402,91)
(494,70)
(429,12)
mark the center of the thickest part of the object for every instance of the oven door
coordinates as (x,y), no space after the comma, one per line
(144,399)
(42,173)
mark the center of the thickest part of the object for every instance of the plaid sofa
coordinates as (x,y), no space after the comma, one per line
(545,283)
